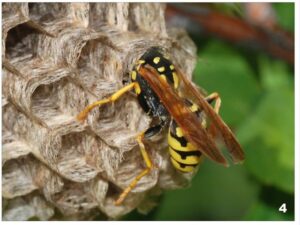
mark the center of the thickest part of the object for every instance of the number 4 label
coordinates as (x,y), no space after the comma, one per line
(282,208)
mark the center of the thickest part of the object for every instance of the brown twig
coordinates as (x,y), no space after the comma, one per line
(276,42)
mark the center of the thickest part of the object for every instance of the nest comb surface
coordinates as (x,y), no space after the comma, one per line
(56,59)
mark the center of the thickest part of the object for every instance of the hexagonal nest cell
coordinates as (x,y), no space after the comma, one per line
(57,59)
(21,42)
(44,103)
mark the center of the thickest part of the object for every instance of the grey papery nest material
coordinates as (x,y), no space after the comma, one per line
(56,59)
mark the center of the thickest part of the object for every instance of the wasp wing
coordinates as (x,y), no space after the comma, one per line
(185,119)
(229,139)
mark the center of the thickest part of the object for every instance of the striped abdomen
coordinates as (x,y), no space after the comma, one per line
(185,157)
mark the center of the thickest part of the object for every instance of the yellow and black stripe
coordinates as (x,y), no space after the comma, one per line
(184,155)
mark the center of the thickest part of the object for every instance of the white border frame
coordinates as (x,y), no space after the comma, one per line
(297,123)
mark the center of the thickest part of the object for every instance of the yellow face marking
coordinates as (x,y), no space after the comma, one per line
(137,89)
(163,77)
(161,69)
(141,61)
(186,169)
(176,145)
(133,75)
(176,80)
(138,67)
(194,108)
(156,60)
(172,67)
(179,132)
(204,124)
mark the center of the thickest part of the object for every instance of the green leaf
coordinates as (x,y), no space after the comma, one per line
(229,8)
(274,74)
(268,134)
(261,211)
(216,193)
(223,70)
(285,13)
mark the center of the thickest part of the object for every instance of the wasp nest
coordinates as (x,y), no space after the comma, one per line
(56,59)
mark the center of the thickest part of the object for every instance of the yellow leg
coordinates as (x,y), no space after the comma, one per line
(83,114)
(214,96)
(142,174)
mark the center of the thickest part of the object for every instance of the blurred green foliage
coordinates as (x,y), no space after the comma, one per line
(285,13)
(263,212)
(258,103)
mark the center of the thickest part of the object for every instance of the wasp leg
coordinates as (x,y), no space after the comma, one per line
(151,131)
(214,97)
(149,165)
(83,114)
(146,134)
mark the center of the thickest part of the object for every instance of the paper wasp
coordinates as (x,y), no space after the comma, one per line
(156,82)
